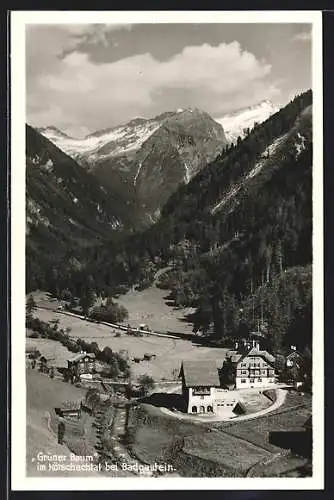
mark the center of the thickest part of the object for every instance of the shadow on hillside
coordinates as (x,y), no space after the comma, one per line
(167,400)
(299,442)
(170,301)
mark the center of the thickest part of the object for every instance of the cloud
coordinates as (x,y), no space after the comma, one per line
(302,36)
(72,92)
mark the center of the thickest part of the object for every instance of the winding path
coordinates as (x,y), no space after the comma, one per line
(281,394)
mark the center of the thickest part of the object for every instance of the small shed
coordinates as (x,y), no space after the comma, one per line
(70,409)
(32,352)
(294,358)
(82,363)
(149,355)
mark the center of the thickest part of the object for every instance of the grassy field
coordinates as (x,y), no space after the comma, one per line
(289,417)
(225,450)
(149,306)
(254,401)
(169,352)
(54,351)
(190,447)
(230,449)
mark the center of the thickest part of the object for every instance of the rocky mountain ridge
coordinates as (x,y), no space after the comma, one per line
(147,158)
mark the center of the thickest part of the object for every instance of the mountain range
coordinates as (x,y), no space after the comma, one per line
(66,206)
(236,234)
(237,123)
(147,158)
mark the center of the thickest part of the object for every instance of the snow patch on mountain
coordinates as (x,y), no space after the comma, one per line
(258,167)
(137,173)
(236,124)
(187,175)
(112,142)
(300,144)
(267,153)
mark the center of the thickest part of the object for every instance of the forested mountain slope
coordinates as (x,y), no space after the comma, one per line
(238,236)
(66,207)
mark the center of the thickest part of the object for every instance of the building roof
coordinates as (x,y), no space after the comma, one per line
(234,356)
(70,405)
(294,354)
(82,355)
(237,356)
(200,373)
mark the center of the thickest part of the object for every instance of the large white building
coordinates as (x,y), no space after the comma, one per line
(252,367)
(201,389)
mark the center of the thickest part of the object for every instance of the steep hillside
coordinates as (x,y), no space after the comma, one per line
(66,207)
(148,159)
(178,150)
(233,231)
(235,241)
(238,123)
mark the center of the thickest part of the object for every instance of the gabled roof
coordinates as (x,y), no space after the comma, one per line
(70,405)
(294,354)
(82,355)
(263,354)
(200,373)
(237,356)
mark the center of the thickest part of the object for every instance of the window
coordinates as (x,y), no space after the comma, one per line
(194,409)
(209,409)
(243,381)
(201,409)
(259,379)
(263,372)
(201,391)
(251,381)
(244,372)
(243,365)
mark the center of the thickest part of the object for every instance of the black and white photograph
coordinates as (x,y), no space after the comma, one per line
(167,250)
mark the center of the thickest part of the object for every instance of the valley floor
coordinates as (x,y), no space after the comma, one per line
(169,352)
(219,449)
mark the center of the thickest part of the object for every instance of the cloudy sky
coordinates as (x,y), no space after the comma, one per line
(82,78)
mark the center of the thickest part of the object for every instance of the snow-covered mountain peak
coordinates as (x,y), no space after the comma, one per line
(236,123)
(113,141)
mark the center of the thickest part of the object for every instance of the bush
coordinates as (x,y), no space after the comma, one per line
(112,313)
(146,383)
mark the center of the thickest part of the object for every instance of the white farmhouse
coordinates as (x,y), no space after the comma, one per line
(201,389)
(252,366)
